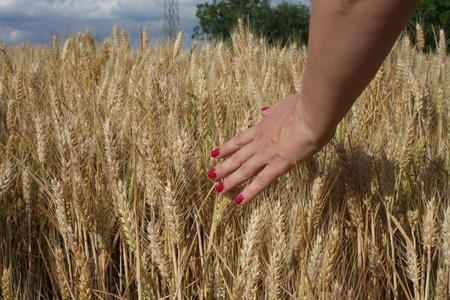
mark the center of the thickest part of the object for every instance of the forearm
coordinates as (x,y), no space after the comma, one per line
(349,39)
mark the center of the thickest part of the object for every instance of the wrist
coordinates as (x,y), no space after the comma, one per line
(317,124)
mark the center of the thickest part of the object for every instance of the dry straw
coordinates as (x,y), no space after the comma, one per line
(104,154)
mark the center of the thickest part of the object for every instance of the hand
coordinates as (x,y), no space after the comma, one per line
(282,139)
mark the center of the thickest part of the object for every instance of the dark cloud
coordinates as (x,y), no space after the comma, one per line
(36,21)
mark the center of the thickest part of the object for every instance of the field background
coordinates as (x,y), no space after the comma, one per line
(104,194)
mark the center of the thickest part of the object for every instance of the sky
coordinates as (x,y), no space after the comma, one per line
(37,21)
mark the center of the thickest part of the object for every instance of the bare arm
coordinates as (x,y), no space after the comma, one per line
(349,39)
(348,42)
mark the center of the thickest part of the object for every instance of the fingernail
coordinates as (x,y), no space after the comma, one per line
(239,199)
(219,188)
(264,108)
(215,152)
(212,173)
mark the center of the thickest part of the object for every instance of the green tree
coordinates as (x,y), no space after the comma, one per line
(277,24)
(432,15)
(287,21)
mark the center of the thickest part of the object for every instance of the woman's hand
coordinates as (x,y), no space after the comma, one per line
(360,34)
(282,139)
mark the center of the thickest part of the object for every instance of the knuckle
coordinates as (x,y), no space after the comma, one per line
(235,160)
(261,180)
(249,190)
(245,172)
(238,140)
(279,162)
(266,150)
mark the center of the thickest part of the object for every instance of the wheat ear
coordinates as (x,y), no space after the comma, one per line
(60,274)
(277,254)
(429,237)
(250,250)
(158,252)
(441,288)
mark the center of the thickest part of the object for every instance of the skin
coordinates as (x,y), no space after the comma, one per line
(349,39)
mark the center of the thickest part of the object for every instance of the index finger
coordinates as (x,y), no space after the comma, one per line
(234,144)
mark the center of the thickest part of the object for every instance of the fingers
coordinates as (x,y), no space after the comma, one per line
(256,152)
(246,171)
(234,144)
(234,162)
(266,177)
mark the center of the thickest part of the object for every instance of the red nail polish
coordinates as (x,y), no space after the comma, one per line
(239,199)
(212,173)
(215,152)
(219,188)
(264,108)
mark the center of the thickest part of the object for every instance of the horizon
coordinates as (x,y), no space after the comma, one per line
(43,19)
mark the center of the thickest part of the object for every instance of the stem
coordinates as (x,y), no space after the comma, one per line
(427,284)
(391,238)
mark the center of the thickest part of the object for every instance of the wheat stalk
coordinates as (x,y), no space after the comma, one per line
(6,60)
(60,274)
(177,46)
(6,284)
(249,253)
(429,238)
(278,252)
(315,260)
(132,214)
(5,178)
(445,237)
(441,286)
(174,215)
(158,252)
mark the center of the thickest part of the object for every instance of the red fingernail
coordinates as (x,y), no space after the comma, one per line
(212,173)
(239,199)
(219,188)
(264,108)
(215,152)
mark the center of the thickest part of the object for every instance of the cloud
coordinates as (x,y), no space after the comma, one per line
(90,9)
(36,21)
(86,9)
(17,35)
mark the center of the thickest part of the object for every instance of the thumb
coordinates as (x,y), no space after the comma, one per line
(265,111)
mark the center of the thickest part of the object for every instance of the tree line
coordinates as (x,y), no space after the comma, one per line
(287,22)
(277,24)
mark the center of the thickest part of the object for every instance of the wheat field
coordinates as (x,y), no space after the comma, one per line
(104,194)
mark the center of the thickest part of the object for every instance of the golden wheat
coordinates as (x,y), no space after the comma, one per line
(104,151)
